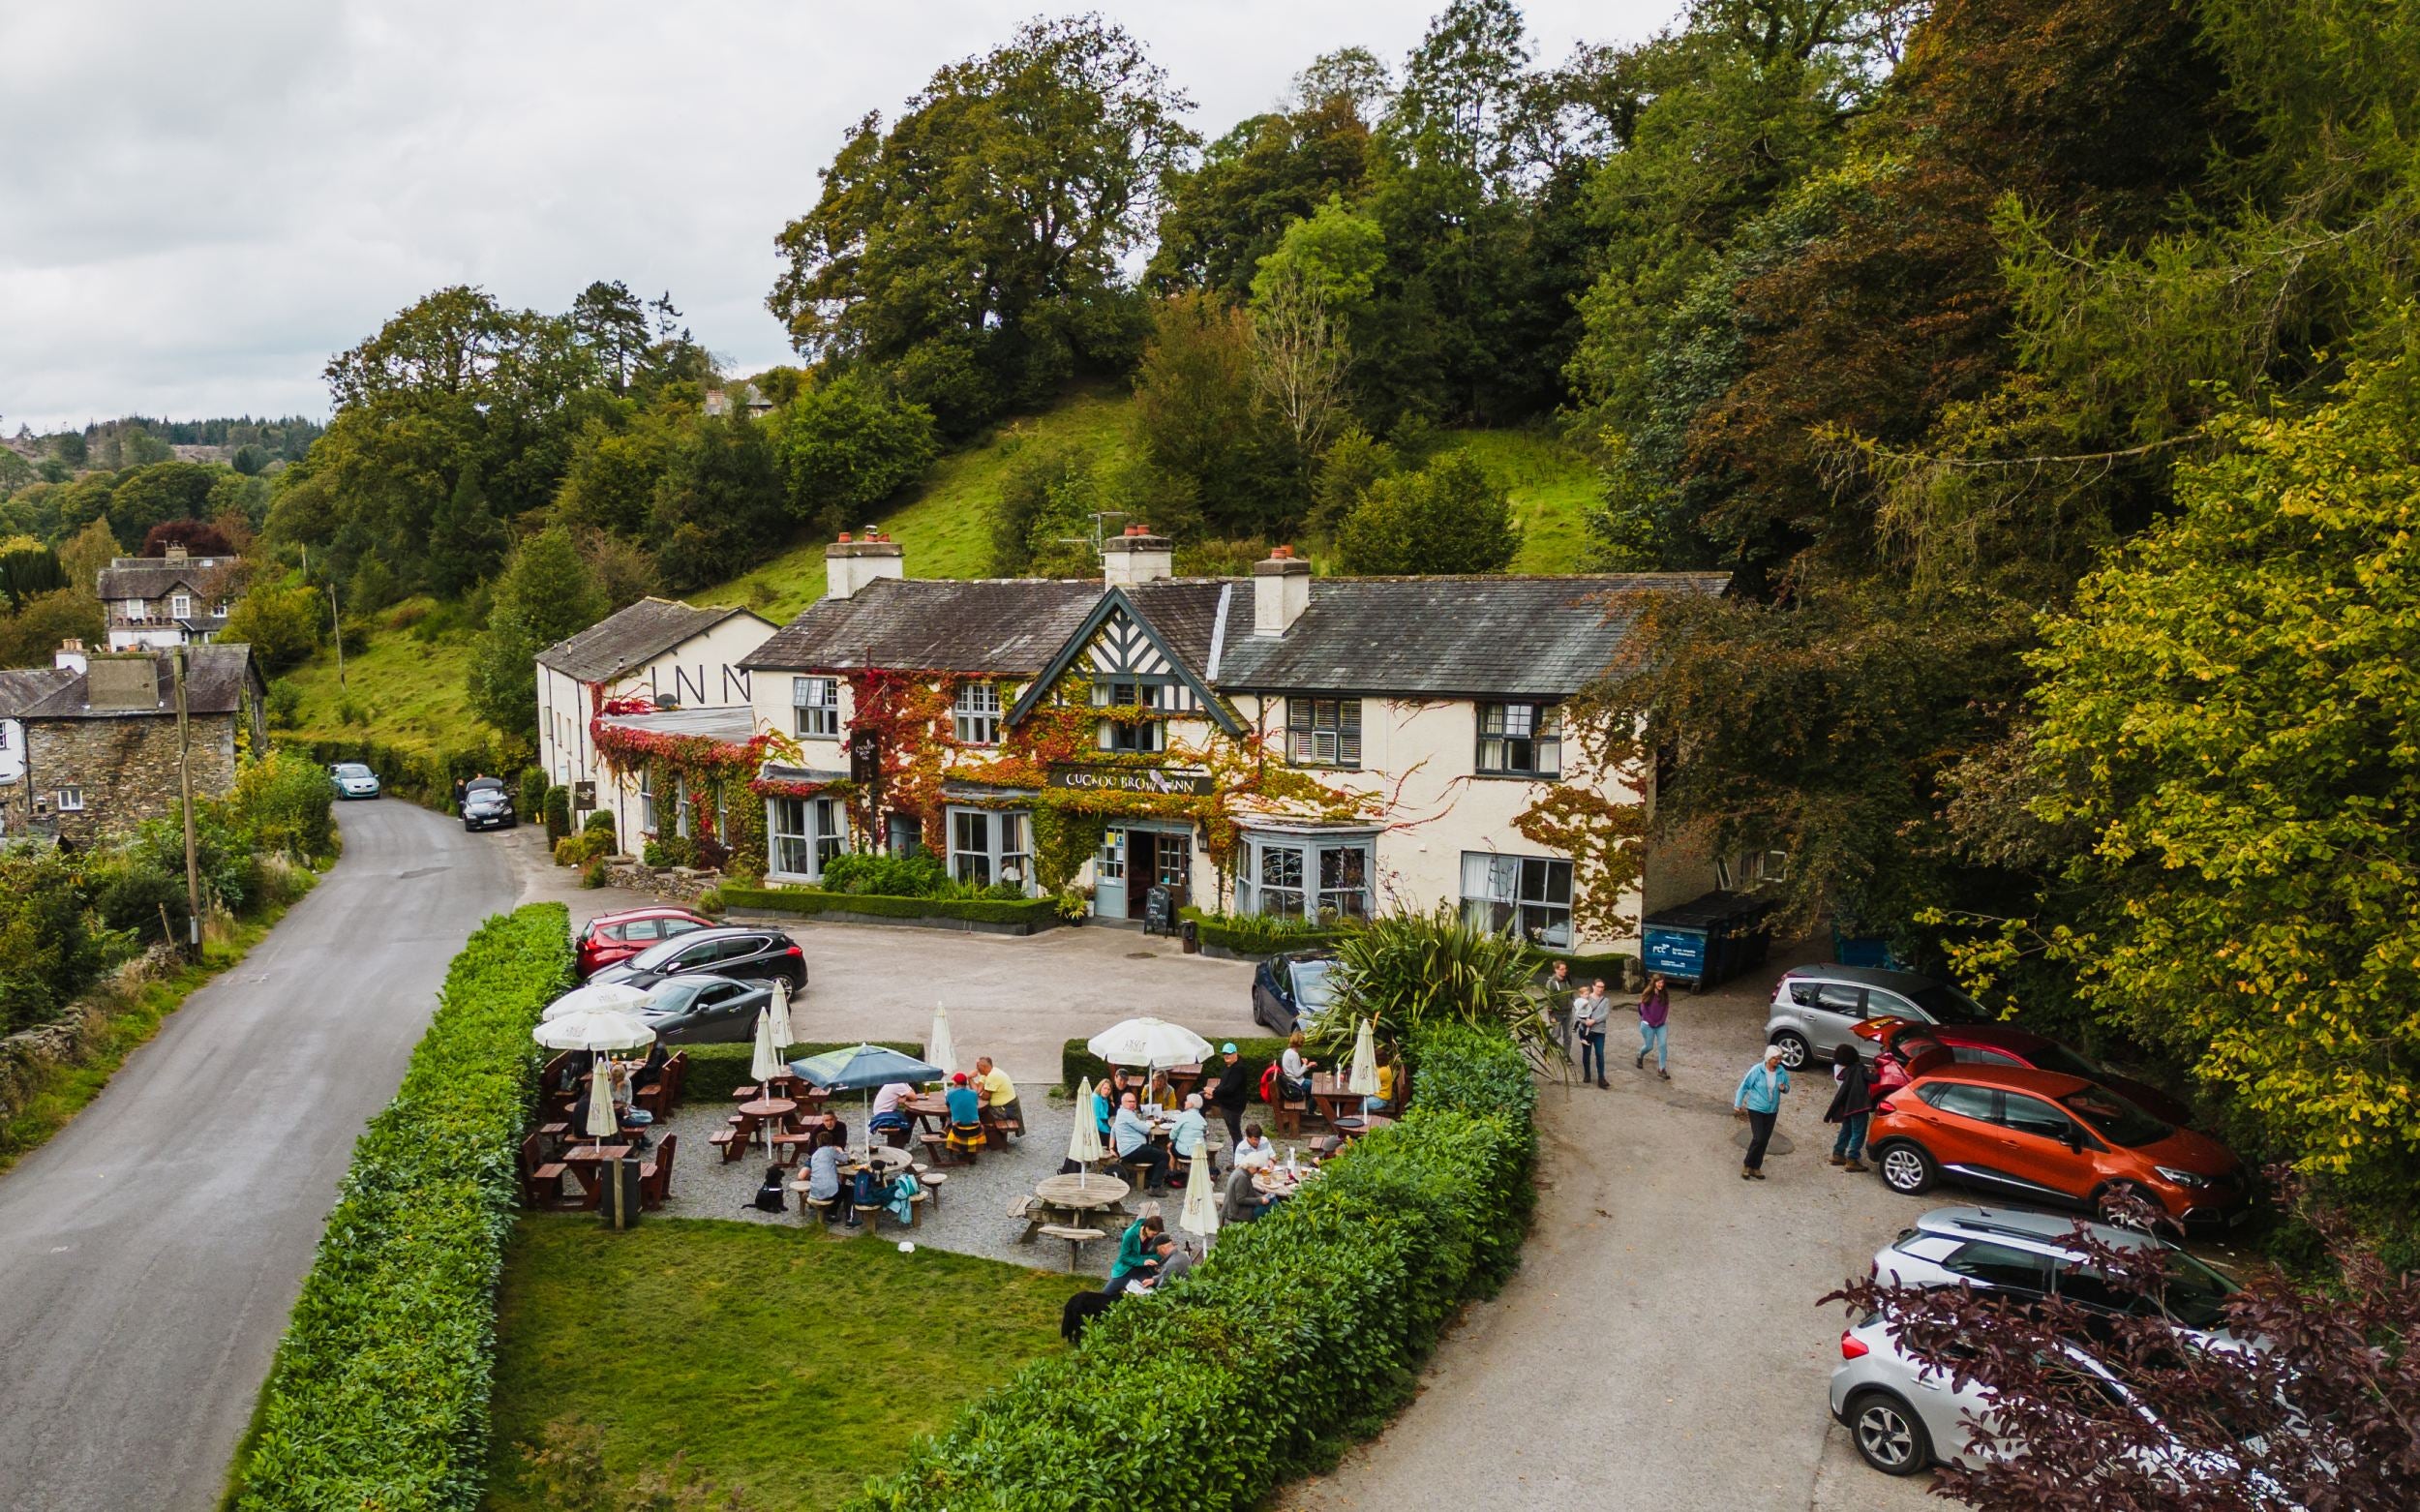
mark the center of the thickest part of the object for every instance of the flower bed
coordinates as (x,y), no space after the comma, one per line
(1247,937)
(1298,1332)
(379,1397)
(1012,916)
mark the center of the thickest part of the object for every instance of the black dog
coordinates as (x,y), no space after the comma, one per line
(1080,1309)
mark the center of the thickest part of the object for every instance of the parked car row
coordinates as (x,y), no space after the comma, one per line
(705,982)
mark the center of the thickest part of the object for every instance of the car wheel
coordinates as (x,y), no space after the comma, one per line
(1906,1169)
(2114,1206)
(1890,1435)
(1795,1051)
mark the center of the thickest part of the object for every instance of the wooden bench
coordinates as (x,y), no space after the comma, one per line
(1076,1239)
(786,1146)
(938,1151)
(728,1140)
(655,1176)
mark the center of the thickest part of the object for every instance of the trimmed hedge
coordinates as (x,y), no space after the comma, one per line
(1040,913)
(1298,1331)
(1076,1062)
(1247,935)
(715,1068)
(379,1397)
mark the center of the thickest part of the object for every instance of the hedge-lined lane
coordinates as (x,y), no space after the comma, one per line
(379,1395)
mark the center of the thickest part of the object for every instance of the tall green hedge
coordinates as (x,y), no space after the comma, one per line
(379,1394)
(1299,1331)
(420,776)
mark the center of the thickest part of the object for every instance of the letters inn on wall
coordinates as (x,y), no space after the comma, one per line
(1277,744)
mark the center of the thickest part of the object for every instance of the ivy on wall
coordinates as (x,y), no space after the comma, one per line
(711,777)
(1605,841)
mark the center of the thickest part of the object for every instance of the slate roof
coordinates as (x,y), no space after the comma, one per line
(1185,611)
(155,577)
(214,684)
(1006,625)
(629,638)
(1446,636)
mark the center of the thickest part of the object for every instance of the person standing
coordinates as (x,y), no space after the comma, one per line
(461,790)
(1558,988)
(1852,1105)
(1589,1012)
(1759,1101)
(1655,1011)
(1231,1091)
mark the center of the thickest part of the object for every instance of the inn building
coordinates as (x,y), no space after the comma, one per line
(1277,744)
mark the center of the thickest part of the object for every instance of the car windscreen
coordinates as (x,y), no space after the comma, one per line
(2115,1119)
(1315,985)
(656,957)
(352,768)
(1949,1006)
(2192,1293)
(2064,1061)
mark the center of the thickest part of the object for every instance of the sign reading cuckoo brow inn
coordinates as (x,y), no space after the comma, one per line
(1132,779)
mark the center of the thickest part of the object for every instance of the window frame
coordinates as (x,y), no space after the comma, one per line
(1541,733)
(1148,736)
(815,719)
(1341,733)
(971,721)
(1302,889)
(1008,845)
(1523,901)
(813,841)
(68,800)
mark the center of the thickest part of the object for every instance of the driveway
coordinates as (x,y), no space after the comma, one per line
(1660,1347)
(149,1253)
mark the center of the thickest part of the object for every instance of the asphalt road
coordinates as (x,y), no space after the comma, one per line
(149,1252)
(1660,1348)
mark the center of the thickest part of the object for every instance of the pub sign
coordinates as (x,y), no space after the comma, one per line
(1130,780)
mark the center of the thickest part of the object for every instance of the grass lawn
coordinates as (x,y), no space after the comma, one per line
(1552,492)
(774,1359)
(408,691)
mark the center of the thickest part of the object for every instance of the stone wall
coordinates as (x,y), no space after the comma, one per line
(672,884)
(126,767)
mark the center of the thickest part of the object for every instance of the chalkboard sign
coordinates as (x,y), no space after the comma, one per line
(584,795)
(1159,911)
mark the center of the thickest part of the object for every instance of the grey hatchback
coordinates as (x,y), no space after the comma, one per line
(1816,1007)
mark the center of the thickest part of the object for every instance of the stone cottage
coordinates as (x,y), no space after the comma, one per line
(169,600)
(89,748)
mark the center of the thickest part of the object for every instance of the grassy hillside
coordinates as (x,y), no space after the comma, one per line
(409,690)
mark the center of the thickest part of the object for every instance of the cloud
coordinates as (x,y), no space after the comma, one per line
(198,205)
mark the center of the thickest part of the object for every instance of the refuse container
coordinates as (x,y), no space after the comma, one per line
(1189,932)
(1708,940)
(621,1205)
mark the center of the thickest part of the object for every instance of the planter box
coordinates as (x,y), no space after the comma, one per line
(973,915)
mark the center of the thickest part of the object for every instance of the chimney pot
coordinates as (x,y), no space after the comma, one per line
(1137,555)
(846,537)
(850,564)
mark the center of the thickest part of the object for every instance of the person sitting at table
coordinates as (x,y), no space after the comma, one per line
(823,1177)
(1390,1067)
(999,1093)
(1137,1250)
(1104,1101)
(1293,1071)
(966,1114)
(1243,1201)
(1129,1134)
(886,1098)
(1176,1259)
(1255,1152)
(1189,1135)
(651,1073)
(633,1120)
(1233,1091)
(889,1117)
(1166,1260)
(1161,1093)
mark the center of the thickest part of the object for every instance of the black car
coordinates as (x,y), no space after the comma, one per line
(485,805)
(699,1009)
(746,955)
(1290,991)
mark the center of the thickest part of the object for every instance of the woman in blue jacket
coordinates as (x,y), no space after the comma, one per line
(1759,1099)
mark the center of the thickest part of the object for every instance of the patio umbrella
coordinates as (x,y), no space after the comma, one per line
(1084,1146)
(598,995)
(862,1068)
(593,1029)
(938,1046)
(601,1121)
(1153,1044)
(1200,1214)
(1365,1077)
(768,1062)
(783,1034)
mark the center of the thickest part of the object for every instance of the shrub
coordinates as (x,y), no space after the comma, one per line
(710,903)
(284,703)
(283,800)
(1259,934)
(599,821)
(1337,1297)
(597,874)
(671,850)
(532,798)
(556,804)
(571,851)
(891,876)
(1035,913)
(1411,970)
(380,1392)
(48,952)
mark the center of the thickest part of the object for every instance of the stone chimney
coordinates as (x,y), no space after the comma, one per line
(175,552)
(1281,590)
(1136,556)
(855,561)
(70,657)
(122,682)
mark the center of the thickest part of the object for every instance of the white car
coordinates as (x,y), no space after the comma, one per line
(353,780)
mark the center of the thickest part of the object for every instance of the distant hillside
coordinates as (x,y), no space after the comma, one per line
(413,691)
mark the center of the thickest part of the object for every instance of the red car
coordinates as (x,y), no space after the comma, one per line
(1897,1042)
(609,938)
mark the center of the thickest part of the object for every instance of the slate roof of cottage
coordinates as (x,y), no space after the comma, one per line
(214,684)
(154,577)
(1185,611)
(1446,636)
(631,637)
(1007,625)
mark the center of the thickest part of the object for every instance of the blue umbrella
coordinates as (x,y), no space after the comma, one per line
(862,1068)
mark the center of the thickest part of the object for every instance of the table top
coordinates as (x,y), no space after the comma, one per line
(1278,1179)
(889,1159)
(1081,1191)
(768,1108)
(597,1152)
(926,1102)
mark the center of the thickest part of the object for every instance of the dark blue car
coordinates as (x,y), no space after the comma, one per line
(1290,991)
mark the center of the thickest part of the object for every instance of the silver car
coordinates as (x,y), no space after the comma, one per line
(2035,1254)
(353,780)
(1817,1009)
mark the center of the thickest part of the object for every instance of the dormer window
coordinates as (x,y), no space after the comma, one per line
(181,606)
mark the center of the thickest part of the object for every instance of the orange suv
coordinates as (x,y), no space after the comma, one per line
(2050,1138)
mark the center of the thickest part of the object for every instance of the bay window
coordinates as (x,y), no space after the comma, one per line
(1312,877)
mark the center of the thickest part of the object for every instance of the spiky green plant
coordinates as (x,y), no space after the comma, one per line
(1413,970)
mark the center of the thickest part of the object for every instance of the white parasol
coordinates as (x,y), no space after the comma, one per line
(1365,1077)
(1084,1146)
(768,1062)
(784,1035)
(1200,1214)
(938,1046)
(602,1122)
(593,1029)
(1153,1044)
(598,995)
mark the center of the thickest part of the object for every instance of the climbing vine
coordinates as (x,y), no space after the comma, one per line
(1606,843)
(705,773)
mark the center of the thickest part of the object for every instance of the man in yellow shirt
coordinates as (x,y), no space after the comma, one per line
(999,1093)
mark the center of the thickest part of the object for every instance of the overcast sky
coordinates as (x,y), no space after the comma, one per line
(200,204)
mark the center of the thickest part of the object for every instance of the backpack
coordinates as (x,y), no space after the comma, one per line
(768,1197)
(1268,1083)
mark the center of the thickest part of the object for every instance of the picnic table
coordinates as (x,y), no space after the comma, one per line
(1329,1095)
(891,1162)
(1276,1181)
(1073,1198)
(587,1164)
(1185,1079)
(929,1110)
(764,1110)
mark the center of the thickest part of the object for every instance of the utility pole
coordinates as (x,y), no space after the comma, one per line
(185,783)
(335,627)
